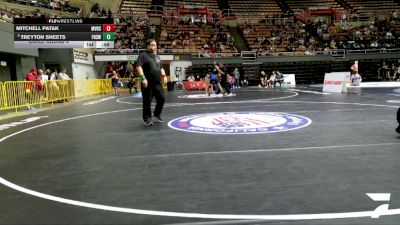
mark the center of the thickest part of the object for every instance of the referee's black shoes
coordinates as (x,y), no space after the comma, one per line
(148,123)
(157,119)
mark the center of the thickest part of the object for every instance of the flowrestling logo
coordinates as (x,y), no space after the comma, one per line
(239,122)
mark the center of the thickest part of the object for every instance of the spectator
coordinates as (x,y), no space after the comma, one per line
(53,74)
(263,79)
(33,76)
(65,86)
(354,67)
(279,78)
(245,81)
(63,75)
(236,75)
(115,81)
(32,86)
(355,79)
(272,79)
(43,76)
(132,83)
(191,78)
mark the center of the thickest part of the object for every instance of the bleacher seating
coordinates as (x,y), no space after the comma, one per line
(197,35)
(59,5)
(13,9)
(304,4)
(373,5)
(211,4)
(396,28)
(131,32)
(135,6)
(187,37)
(276,37)
(253,7)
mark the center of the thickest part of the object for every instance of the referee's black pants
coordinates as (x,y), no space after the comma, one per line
(398,117)
(147,96)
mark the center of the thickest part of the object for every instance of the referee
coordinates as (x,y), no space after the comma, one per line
(150,72)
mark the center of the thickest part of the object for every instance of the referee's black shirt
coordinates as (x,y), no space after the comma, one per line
(151,65)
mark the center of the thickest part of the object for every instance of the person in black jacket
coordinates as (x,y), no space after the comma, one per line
(150,72)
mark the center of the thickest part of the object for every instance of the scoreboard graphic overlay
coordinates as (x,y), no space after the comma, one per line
(64,33)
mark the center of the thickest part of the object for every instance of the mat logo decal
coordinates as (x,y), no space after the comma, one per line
(240,122)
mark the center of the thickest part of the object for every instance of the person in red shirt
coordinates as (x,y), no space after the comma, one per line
(33,76)
(33,81)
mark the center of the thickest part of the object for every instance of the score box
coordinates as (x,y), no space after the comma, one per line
(108,28)
(108,36)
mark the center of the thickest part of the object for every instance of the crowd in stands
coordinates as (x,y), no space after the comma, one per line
(271,39)
(7,14)
(192,35)
(369,35)
(130,32)
(60,5)
(319,36)
(274,34)
(100,12)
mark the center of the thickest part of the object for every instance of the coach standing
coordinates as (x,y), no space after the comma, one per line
(150,72)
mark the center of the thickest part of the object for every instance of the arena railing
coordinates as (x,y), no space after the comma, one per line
(367,51)
(170,12)
(91,87)
(337,53)
(228,13)
(133,15)
(17,94)
(363,15)
(121,51)
(21,93)
(156,9)
(216,55)
(256,20)
(2,97)
(361,10)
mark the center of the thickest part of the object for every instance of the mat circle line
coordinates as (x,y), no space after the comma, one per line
(315,216)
